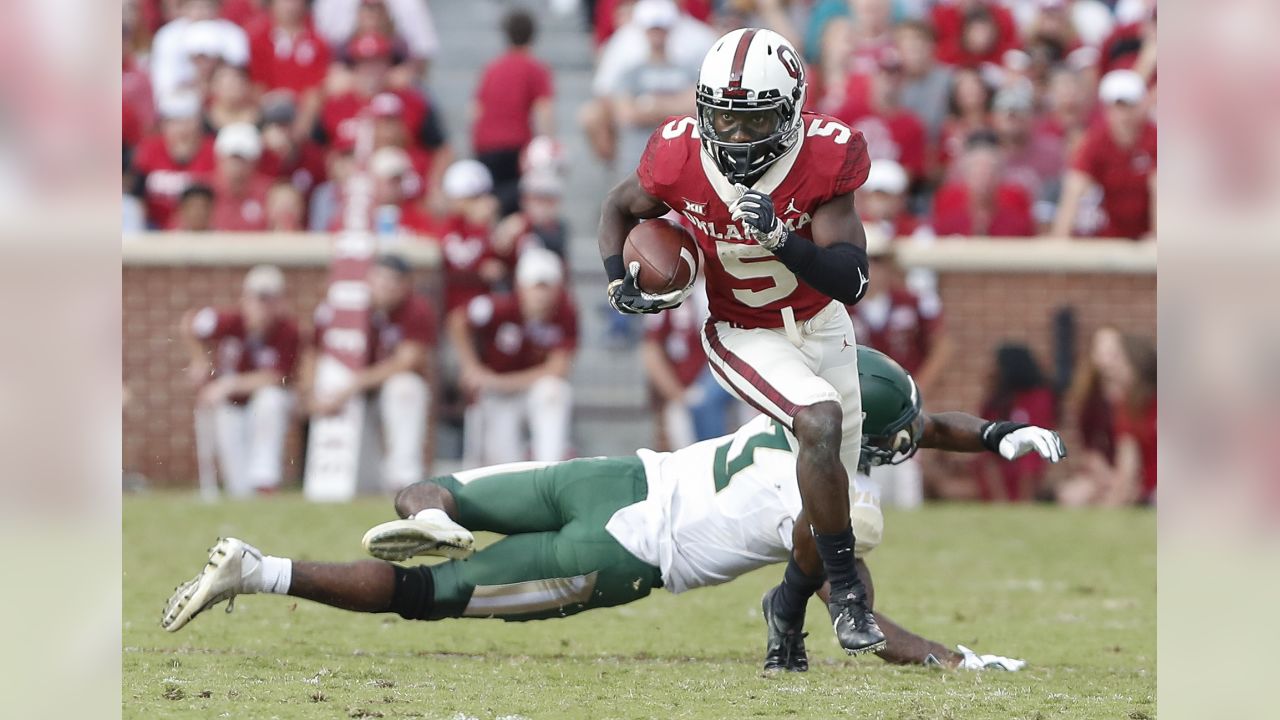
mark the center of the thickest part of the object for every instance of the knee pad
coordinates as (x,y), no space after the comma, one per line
(414,597)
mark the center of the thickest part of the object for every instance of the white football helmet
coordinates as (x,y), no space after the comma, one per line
(750,91)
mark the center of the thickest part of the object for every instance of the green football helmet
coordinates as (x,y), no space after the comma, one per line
(892,422)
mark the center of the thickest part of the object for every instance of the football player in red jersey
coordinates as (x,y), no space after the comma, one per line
(769,192)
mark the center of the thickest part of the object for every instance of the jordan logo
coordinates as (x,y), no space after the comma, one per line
(845,342)
(791,207)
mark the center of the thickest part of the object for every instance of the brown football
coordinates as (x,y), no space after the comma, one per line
(667,253)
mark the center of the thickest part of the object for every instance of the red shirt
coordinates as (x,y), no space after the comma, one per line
(1124,175)
(166,178)
(746,284)
(678,332)
(948,21)
(280,60)
(506,94)
(338,115)
(241,212)
(235,351)
(413,320)
(304,171)
(1010,216)
(898,135)
(509,342)
(464,248)
(1141,426)
(899,324)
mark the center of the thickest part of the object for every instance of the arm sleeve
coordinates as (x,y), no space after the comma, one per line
(838,271)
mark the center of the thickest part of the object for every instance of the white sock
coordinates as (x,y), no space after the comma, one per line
(435,515)
(275,576)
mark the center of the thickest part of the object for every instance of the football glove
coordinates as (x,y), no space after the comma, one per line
(760,223)
(1013,440)
(627,298)
(974,661)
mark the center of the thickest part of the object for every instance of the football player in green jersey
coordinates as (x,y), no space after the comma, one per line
(597,532)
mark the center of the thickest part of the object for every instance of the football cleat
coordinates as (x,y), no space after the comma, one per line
(855,626)
(785,647)
(403,539)
(223,577)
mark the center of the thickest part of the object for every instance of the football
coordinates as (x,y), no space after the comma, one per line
(667,253)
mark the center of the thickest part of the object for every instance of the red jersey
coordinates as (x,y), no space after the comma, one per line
(1141,426)
(899,324)
(413,320)
(465,248)
(1010,215)
(338,115)
(166,178)
(509,87)
(678,332)
(746,284)
(1124,175)
(241,212)
(278,59)
(236,351)
(509,342)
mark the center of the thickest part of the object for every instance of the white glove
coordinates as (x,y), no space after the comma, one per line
(974,661)
(755,211)
(1023,440)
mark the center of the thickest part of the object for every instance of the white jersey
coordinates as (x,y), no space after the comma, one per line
(721,508)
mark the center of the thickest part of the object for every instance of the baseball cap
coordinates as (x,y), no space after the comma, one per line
(386,105)
(264,280)
(1015,98)
(886,176)
(179,106)
(543,183)
(539,266)
(239,139)
(650,14)
(466,179)
(370,46)
(207,38)
(1122,86)
(389,162)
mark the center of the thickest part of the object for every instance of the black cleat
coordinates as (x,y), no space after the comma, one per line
(785,649)
(855,626)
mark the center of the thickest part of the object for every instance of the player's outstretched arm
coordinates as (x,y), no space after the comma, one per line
(962,432)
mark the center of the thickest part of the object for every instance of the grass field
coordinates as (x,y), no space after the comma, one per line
(1071,592)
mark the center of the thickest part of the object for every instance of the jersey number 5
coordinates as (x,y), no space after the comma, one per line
(751,262)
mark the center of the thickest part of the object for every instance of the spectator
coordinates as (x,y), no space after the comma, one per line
(397,372)
(513,103)
(982,201)
(371,58)
(426,165)
(968,111)
(409,22)
(195,210)
(538,222)
(286,210)
(231,99)
(650,92)
(167,162)
(690,404)
(172,71)
(515,352)
(1019,393)
(1121,381)
(1119,155)
(285,156)
(287,54)
(882,201)
(852,50)
(608,15)
(892,132)
(926,83)
(240,191)
(393,186)
(326,201)
(207,52)
(1033,157)
(687,43)
(1067,104)
(242,364)
(972,32)
(1132,45)
(472,264)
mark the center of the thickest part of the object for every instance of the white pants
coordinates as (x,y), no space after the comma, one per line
(779,371)
(250,440)
(900,485)
(495,424)
(402,403)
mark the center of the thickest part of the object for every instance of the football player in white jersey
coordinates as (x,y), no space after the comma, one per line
(593,532)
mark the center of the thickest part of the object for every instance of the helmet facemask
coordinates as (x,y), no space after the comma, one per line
(745,162)
(898,446)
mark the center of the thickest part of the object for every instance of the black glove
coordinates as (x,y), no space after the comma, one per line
(627,298)
(755,211)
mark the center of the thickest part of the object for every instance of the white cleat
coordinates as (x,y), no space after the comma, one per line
(221,579)
(403,539)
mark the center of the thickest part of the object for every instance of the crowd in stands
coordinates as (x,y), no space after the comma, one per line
(1006,118)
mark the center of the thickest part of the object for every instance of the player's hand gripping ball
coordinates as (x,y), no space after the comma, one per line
(759,221)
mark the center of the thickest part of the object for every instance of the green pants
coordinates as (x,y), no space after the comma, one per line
(557,558)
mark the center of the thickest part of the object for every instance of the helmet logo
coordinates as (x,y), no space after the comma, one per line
(788,58)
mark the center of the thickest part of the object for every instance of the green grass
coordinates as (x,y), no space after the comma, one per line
(1071,592)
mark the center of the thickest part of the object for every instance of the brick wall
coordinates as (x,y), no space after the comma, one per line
(982,309)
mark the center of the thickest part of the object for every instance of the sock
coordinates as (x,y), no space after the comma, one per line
(795,591)
(836,550)
(274,576)
(435,515)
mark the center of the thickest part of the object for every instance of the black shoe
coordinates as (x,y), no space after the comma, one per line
(785,649)
(855,626)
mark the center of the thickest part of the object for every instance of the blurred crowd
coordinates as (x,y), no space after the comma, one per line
(1000,118)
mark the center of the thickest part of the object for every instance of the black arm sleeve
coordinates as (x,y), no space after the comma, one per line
(838,270)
